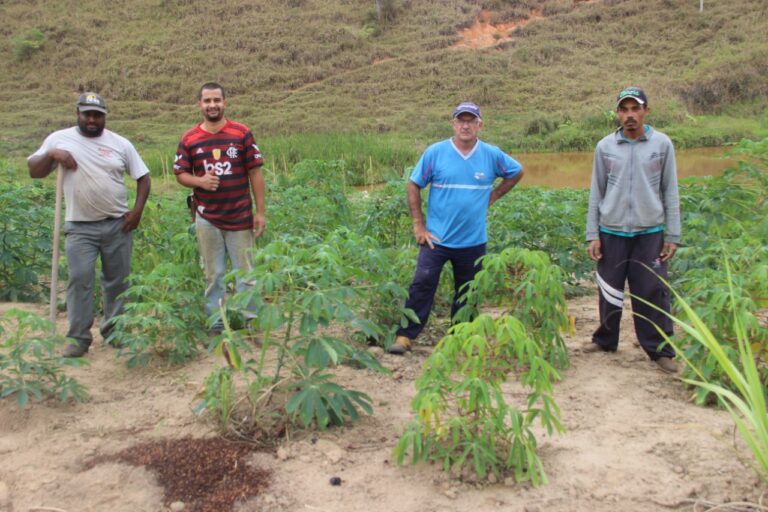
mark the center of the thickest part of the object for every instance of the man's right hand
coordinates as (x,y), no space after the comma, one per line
(209,181)
(64,158)
(594,250)
(423,236)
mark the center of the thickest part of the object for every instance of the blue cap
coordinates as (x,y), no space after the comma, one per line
(466,107)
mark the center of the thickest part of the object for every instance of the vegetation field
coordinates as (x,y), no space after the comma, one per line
(329,282)
(501,410)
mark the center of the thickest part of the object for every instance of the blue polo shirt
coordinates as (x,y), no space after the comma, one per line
(460,189)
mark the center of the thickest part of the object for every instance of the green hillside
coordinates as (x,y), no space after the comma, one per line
(332,67)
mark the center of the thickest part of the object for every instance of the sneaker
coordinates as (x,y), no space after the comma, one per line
(400,346)
(75,350)
(667,364)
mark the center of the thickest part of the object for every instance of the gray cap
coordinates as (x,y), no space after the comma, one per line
(91,101)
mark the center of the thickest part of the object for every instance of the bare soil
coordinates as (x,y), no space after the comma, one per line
(634,442)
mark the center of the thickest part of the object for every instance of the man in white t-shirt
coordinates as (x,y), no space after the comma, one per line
(98,222)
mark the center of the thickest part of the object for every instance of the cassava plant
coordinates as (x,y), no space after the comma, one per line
(163,315)
(29,364)
(529,287)
(463,414)
(306,301)
(726,217)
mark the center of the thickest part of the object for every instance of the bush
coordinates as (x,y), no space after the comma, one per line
(29,366)
(25,45)
(26,233)
(463,416)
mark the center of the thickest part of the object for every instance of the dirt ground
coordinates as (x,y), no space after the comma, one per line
(633,443)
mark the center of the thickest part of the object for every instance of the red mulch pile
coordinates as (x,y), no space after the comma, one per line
(208,475)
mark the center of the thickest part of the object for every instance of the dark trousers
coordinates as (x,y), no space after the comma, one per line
(429,265)
(625,259)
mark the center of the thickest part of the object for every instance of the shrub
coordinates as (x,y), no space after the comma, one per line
(463,416)
(25,45)
(26,232)
(29,366)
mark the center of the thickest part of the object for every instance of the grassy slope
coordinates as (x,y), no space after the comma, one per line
(310,66)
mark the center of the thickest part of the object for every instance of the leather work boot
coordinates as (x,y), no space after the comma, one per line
(400,346)
(75,350)
(667,364)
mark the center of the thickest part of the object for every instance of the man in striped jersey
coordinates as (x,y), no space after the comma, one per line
(633,228)
(220,161)
(461,172)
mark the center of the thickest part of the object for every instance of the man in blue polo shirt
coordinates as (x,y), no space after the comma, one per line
(461,172)
(633,228)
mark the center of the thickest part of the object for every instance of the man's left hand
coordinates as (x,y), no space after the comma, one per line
(667,251)
(131,220)
(259,224)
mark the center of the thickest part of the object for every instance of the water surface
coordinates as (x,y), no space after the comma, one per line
(574,170)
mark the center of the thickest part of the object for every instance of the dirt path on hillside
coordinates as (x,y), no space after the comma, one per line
(633,443)
(484,34)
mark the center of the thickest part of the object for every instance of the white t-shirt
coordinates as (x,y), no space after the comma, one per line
(96,189)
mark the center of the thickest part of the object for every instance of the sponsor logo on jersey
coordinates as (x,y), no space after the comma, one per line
(479,175)
(257,150)
(218,168)
(105,152)
(216,153)
(232,152)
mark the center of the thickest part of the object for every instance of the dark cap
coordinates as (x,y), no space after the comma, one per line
(635,93)
(91,101)
(466,107)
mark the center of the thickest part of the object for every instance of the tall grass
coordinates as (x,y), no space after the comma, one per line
(744,393)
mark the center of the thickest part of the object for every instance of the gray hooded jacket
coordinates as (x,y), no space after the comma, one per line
(634,186)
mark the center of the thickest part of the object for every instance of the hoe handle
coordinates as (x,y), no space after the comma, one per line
(56,238)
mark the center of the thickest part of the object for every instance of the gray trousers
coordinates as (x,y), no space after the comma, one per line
(85,242)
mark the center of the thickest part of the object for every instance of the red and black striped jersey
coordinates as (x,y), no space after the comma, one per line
(230,154)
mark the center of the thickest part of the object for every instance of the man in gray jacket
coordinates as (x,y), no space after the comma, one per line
(633,227)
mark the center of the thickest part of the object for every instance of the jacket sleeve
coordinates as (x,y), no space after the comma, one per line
(596,193)
(671,197)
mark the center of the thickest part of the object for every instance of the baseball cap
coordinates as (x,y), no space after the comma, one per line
(91,101)
(466,107)
(636,93)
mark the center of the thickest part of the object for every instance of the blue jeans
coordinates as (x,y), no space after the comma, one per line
(215,245)
(429,265)
(85,241)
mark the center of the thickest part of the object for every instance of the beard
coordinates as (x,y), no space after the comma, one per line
(213,117)
(90,130)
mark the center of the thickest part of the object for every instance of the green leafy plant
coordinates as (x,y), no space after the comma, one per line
(726,216)
(163,315)
(551,221)
(529,287)
(29,366)
(306,304)
(744,393)
(27,44)
(26,230)
(464,418)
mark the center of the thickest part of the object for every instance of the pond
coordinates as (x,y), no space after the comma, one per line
(574,170)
